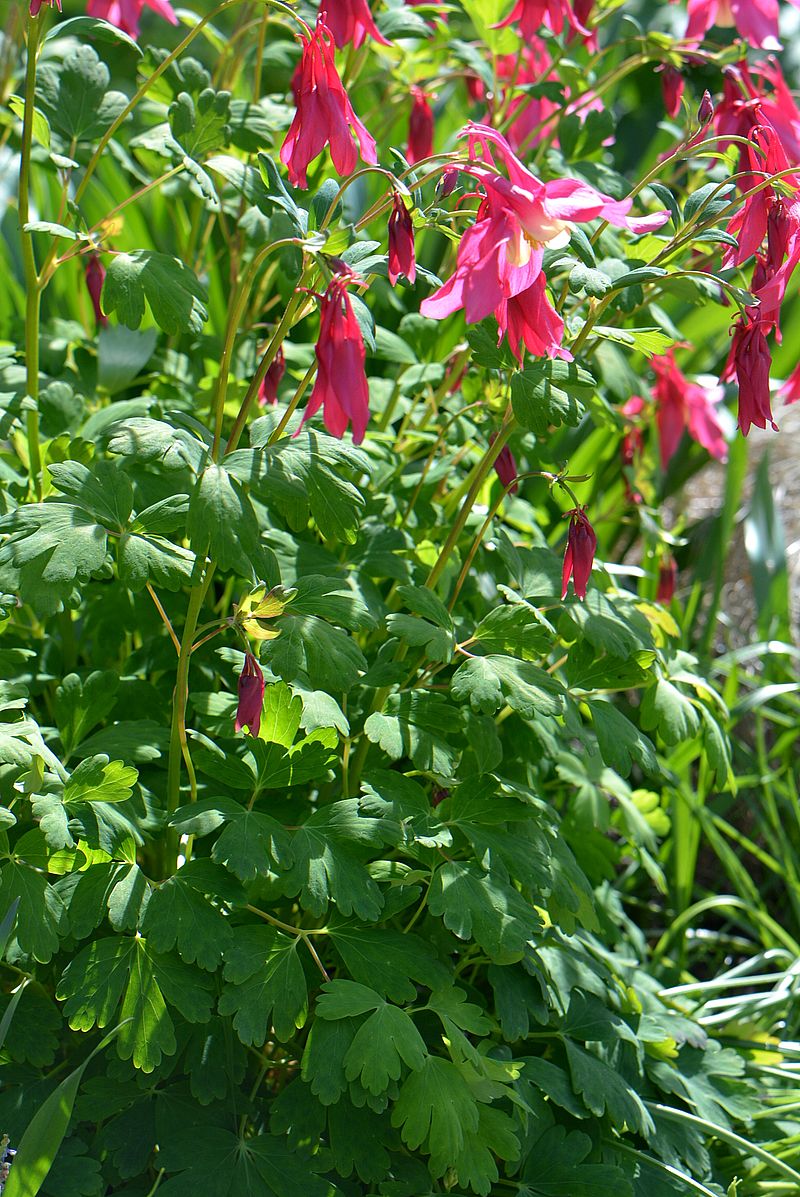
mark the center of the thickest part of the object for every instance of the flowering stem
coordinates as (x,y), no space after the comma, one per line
(178,745)
(484,466)
(234,320)
(270,353)
(32,285)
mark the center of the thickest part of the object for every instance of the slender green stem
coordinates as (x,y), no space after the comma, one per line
(270,353)
(33,297)
(727,1136)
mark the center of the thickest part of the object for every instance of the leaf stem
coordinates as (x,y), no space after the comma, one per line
(33,298)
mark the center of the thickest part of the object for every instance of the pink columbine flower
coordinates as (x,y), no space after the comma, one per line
(268,391)
(579,555)
(632,446)
(126,14)
(749,363)
(420,127)
(754,20)
(251,695)
(501,254)
(790,391)
(36,5)
(532,14)
(95,277)
(529,319)
(341,388)
(682,404)
(350,21)
(401,242)
(667,580)
(324,114)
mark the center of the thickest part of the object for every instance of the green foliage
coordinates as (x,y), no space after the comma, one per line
(503,894)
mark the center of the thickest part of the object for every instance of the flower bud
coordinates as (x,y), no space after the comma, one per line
(705,112)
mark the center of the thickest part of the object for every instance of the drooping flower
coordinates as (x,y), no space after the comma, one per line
(501,254)
(667,579)
(401,242)
(126,14)
(350,21)
(579,554)
(420,127)
(632,446)
(682,404)
(268,391)
(95,277)
(324,114)
(754,20)
(532,14)
(529,319)
(790,391)
(671,89)
(251,695)
(36,5)
(505,467)
(341,388)
(749,364)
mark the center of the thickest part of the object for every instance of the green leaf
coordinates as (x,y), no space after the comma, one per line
(604,1090)
(40,913)
(154,559)
(122,354)
(90,27)
(517,630)
(620,741)
(180,914)
(488,350)
(51,547)
(264,982)
(415,725)
(387,1040)
(592,281)
(203,126)
(674,715)
(221,521)
(176,298)
(96,779)
(309,647)
(543,395)
(557,1167)
(324,871)
(307,475)
(81,704)
(105,491)
(41,125)
(642,340)
(323,1058)
(112,970)
(76,96)
(492,681)
(346,999)
(436,1112)
(252,844)
(388,960)
(477,905)
(259,1166)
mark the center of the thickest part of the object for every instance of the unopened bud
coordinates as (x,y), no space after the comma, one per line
(705,112)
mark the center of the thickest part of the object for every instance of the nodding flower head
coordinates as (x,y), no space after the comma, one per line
(341,388)
(324,114)
(251,695)
(579,555)
(401,241)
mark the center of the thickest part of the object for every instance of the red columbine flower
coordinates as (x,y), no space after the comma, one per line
(251,695)
(749,363)
(579,555)
(632,446)
(682,404)
(532,14)
(350,21)
(126,14)
(420,127)
(671,89)
(95,277)
(529,318)
(37,4)
(401,242)
(506,468)
(324,114)
(667,578)
(341,387)
(268,391)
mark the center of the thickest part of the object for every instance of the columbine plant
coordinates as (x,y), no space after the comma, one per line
(359,709)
